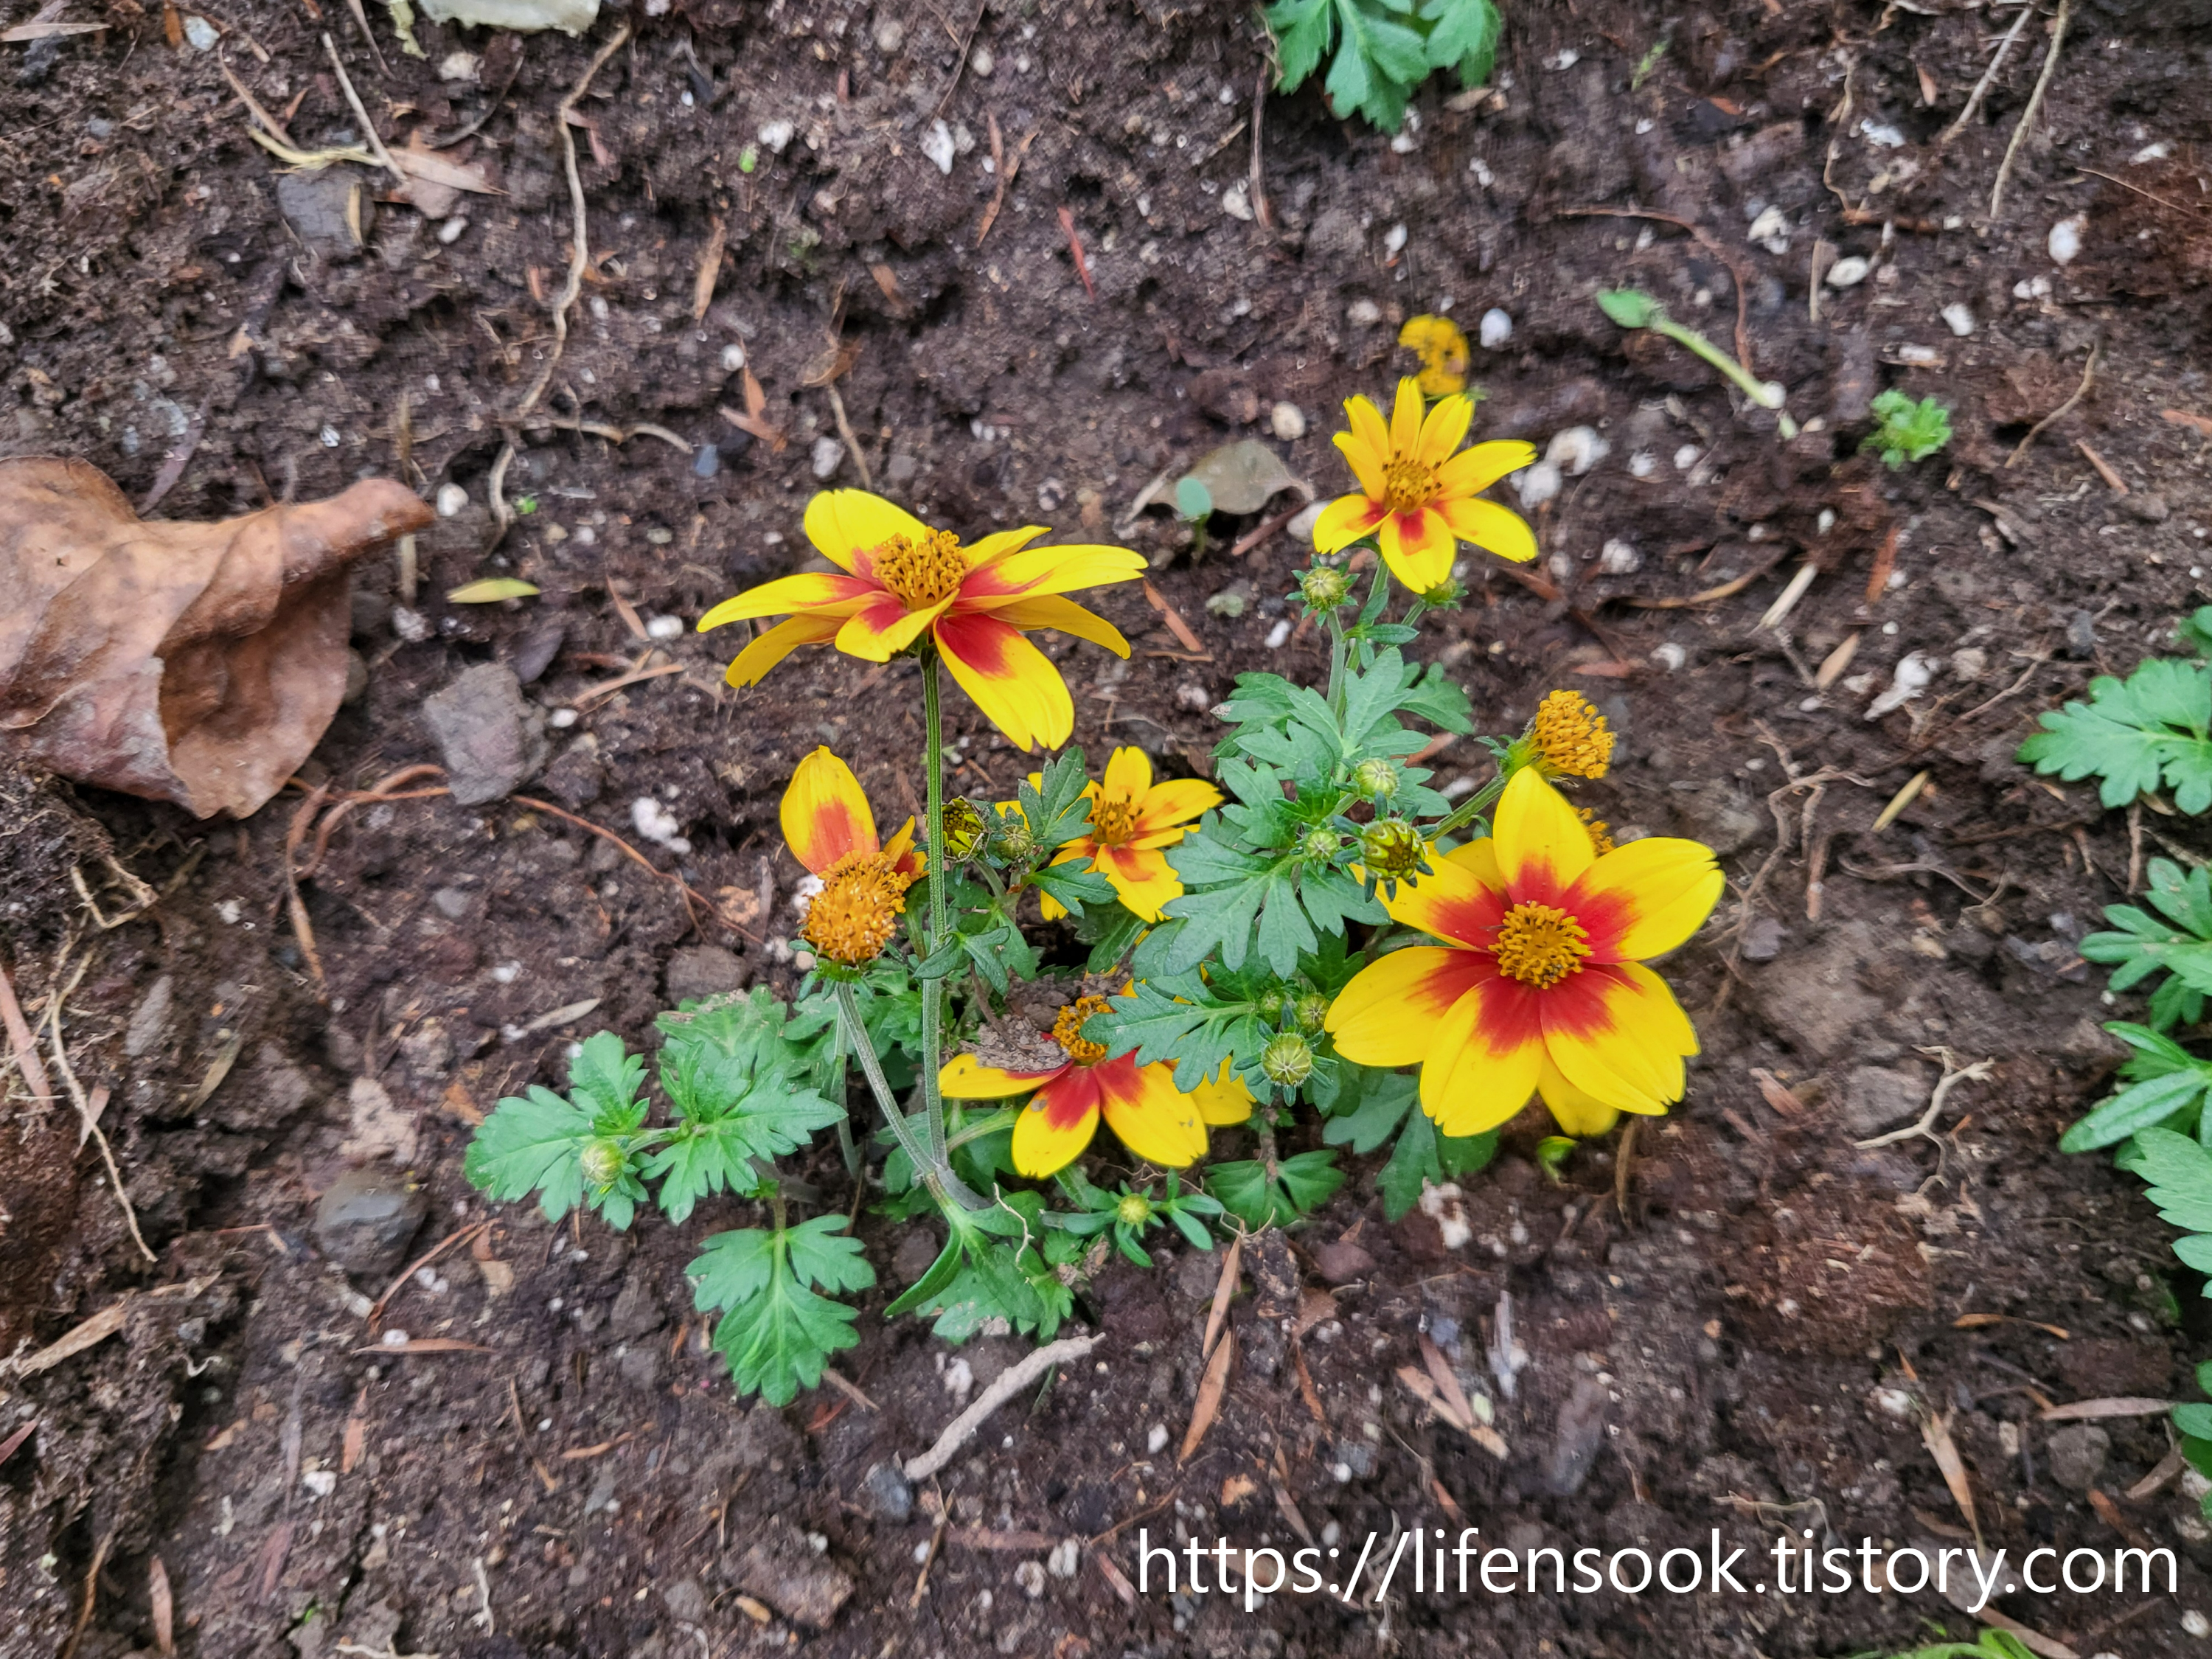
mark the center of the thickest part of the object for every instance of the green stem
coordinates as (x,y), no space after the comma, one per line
(1690,340)
(937,1173)
(939,874)
(1472,808)
(1004,1118)
(1335,660)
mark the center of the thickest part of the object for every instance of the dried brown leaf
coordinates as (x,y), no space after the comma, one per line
(1210,1390)
(2092,1411)
(163,1606)
(1936,1432)
(1224,1292)
(710,267)
(192,663)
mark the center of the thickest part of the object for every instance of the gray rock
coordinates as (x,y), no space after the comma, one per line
(781,1568)
(2146,510)
(887,1494)
(366,1219)
(1357,1455)
(636,1309)
(149,1019)
(450,902)
(1813,997)
(1764,938)
(539,648)
(642,1367)
(1876,1098)
(2077,1454)
(702,970)
(1718,815)
(2081,636)
(576,778)
(686,1600)
(708,462)
(1335,238)
(492,742)
(329,209)
(1581,1431)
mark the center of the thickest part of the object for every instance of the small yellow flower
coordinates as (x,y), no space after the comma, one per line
(1133,822)
(1442,348)
(831,831)
(1418,497)
(1570,738)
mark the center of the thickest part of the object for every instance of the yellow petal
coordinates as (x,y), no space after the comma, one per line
(1406,419)
(1151,1117)
(1444,429)
(1367,427)
(1013,682)
(1128,774)
(1388,1014)
(842,522)
(1418,546)
(1476,1078)
(1497,529)
(885,629)
(966,1078)
(1366,465)
(1542,847)
(817,591)
(1223,1099)
(825,812)
(1064,616)
(995,546)
(1484,465)
(1664,887)
(1576,1111)
(1048,1139)
(752,663)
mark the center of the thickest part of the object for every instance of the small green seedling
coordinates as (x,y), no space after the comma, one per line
(1195,506)
(1909,430)
(1631,307)
(1384,49)
(1132,1211)
(1552,1152)
(2150,730)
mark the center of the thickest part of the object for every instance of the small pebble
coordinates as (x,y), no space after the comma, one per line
(2065,240)
(1669,656)
(561,719)
(2150,153)
(1363,314)
(1685,458)
(775,135)
(2150,509)
(1577,450)
(982,62)
(1537,484)
(452,500)
(708,462)
(665,628)
(1156,1441)
(1618,558)
(1277,634)
(1642,464)
(1848,272)
(459,66)
(451,231)
(1394,240)
(330,438)
(1288,422)
(891,35)
(202,34)
(1960,318)
(733,358)
(1030,1575)
(1300,528)
(828,456)
(2197,1624)
(936,144)
(321,1482)
(1495,328)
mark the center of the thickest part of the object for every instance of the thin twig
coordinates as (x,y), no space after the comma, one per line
(960,65)
(19,1038)
(1952,1077)
(845,431)
(368,127)
(89,1117)
(1974,103)
(1010,1382)
(2034,105)
(2088,374)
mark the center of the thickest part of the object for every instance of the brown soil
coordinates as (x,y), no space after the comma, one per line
(1705,1338)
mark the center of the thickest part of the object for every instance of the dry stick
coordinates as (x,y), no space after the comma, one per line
(579,258)
(89,1112)
(20,1040)
(1951,1079)
(1974,103)
(1010,1383)
(845,431)
(2088,372)
(2034,105)
(368,127)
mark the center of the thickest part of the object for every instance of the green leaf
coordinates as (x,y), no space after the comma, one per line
(1055,806)
(2135,734)
(1466,34)
(1440,700)
(1629,307)
(730,1113)
(536,1141)
(1182,1017)
(776,1331)
(1908,430)
(1194,501)
(1372,1116)
(1075,886)
(1302,30)
(2178,1172)
(1302,1185)
(2145,1106)
(1424,1156)
(605,1079)
(2194,1420)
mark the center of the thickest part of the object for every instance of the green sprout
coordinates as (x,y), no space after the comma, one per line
(1909,430)
(1631,307)
(1133,1211)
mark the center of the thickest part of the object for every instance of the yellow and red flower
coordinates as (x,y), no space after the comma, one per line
(1140,1103)
(1416,497)
(831,831)
(899,581)
(1538,985)
(1133,820)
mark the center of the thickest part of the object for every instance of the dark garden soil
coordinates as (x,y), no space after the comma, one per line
(1714,1335)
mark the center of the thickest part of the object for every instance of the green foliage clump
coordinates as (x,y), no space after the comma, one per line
(1383,48)
(2152,730)
(1909,430)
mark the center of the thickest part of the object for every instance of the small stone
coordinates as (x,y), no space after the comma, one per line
(980,62)
(2147,509)
(1288,423)
(492,743)
(459,66)
(775,135)
(2081,635)
(450,902)
(329,209)
(1301,529)
(149,1019)
(1363,314)
(202,34)
(708,462)
(321,1482)
(452,500)
(1618,558)
(637,1307)
(887,1493)
(1576,449)
(1030,1575)
(1579,1434)
(452,230)
(366,1219)
(828,455)
(783,1569)
(2064,242)
(685,1600)
(733,358)
(578,776)
(1537,484)
(1495,328)
(2077,1454)
(1959,319)
(664,629)
(698,971)
(936,144)
(1066,1557)
(1876,1098)
(891,35)
(2194,1623)
(1763,940)
(1848,272)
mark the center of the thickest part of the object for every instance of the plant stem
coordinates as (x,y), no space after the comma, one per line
(936,1173)
(932,990)
(1472,808)
(1336,659)
(1690,340)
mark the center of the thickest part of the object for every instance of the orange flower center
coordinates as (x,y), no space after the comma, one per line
(1540,946)
(1571,736)
(919,574)
(851,919)
(1067,1031)
(1408,484)
(1112,820)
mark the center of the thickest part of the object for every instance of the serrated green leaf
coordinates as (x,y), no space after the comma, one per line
(1302,31)
(605,1079)
(2134,735)
(531,1143)
(2194,1420)
(1364,1120)
(775,1332)
(2178,1173)
(1302,1185)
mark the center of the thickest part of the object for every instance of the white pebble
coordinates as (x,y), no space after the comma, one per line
(1566,58)
(1483,175)
(2150,153)
(1537,484)
(2065,240)
(561,719)
(1496,329)
(2197,1624)
(1848,272)
(1919,355)
(1277,634)
(1363,314)
(1685,458)
(1642,464)
(657,823)
(777,134)
(452,500)
(202,33)
(1577,450)
(1156,1441)
(453,229)
(1236,201)
(1771,226)
(1960,318)
(959,1378)
(1618,558)
(507,972)
(1669,656)
(665,628)
(1288,422)
(1066,1555)
(2031,288)
(1302,528)
(1906,682)
(733,358)
(321,1482)
(330,438)
(982,62)
(936,144)
(1881,135)
(828,456)
(412,627)
(459,66)
(1394,239)
(395,1338)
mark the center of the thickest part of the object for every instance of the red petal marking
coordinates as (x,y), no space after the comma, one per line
(1537,884)
(1472,921)
(1509,1014)
(980,640)
(1119,1078)
(1605,916)
(1071,1094)
(834,833)
(1576,1006)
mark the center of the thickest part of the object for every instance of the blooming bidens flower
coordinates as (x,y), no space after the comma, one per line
(1417,498)
(831,831)
(1140,1103)
(1133,820)
(904,583)
(1569,738)
(1539,986)
(1442,348)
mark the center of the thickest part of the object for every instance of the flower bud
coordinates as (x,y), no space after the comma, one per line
(1445,595)
(1133,1211)
(1288,1059)
(602,1161)
(1318,843)
(1012,838)
(1324,587)
(964,830)
(1375,779)
(1270,1003)
(1311,1010)
(1391,849)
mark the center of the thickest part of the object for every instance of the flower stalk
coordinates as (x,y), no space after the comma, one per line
(934,1172)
